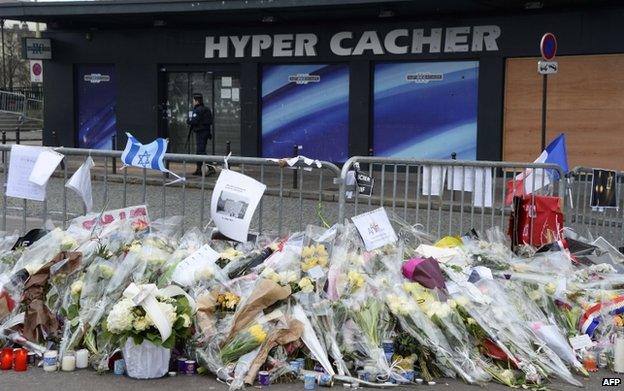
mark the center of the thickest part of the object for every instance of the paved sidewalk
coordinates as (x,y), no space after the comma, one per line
(38,380)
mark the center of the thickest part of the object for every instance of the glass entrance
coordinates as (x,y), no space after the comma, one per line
(221,91)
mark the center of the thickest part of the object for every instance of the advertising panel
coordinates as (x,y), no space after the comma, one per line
(96,97)
(426,110)
(306,105)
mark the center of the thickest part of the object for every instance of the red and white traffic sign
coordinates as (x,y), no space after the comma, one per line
(36,71)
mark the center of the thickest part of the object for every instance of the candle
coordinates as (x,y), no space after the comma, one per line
(21,360)
(50,361)
(68,363)
(82,358)
(6,358)
(618,352)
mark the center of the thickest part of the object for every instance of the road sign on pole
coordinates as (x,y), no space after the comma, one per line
(548,48)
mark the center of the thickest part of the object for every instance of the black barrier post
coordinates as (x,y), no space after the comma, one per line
(114,146)
(17,135)
(228,148)
(296,149)
(3,142)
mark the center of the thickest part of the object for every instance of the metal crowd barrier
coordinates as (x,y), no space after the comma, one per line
(593,222)
(407,187)
(286,205)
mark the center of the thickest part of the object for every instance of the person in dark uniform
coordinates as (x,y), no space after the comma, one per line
(200,122)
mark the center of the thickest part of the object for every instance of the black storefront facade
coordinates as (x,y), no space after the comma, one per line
(157,67)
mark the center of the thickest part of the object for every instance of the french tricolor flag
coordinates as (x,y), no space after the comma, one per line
(534,179)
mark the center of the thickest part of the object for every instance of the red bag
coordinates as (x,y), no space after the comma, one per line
(536,220)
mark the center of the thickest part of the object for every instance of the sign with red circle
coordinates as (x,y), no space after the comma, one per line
(548,46)
(37,69)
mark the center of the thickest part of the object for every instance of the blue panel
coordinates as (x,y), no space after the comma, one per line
(97,99)
(426,109)
(313,114)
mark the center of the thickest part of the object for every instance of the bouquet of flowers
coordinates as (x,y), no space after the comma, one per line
(244,342)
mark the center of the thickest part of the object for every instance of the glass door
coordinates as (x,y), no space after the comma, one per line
(221,92)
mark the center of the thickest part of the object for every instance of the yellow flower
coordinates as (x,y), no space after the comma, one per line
(355,280)
(322,260)
(551,288)
(76,287)
(461,301)
(306,285)
(258,333)
(309,263)
(230,253)
(452,303)
(140,324)
(535,295)
(448,242)
(320,250)
(307,252)
(471,321)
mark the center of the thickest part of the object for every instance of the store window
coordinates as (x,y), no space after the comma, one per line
(306,105)
(426,110)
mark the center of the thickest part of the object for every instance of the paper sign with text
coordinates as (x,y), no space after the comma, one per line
(375,229)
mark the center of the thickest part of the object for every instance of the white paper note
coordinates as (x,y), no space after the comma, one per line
(482,195)
(433,176)
(226,81)
(235,94)
(204,257)
(226,93)
(44,166)
(80,182)
(375,228)
(463,178)
(579,342)
(21,163)
(234,200)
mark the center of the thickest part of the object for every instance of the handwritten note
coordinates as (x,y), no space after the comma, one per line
(21,164)
(204,257)
(375,229)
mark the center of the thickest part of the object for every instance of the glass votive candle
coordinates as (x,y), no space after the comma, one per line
(82,358)
(68,363)
(6,358)
(21,360)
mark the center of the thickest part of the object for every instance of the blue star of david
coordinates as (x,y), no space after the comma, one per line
(144,159)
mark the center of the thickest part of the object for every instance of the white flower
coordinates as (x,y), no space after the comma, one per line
(287,277)
(441,310)
(187,320)
(168,311)
(120,318)
(140,324)
(68,243)
(204,274)
(76,287)
(306,285)
(461,301)
(270,274)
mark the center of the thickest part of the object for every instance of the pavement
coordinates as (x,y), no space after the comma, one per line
(37,379)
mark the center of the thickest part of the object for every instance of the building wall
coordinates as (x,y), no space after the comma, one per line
(137,55)
(585,101)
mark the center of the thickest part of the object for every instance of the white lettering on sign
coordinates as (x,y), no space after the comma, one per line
(460,39)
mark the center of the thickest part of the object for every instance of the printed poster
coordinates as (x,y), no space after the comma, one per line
(234,201)
(604,189)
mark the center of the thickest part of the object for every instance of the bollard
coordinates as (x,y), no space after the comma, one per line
(17,135)
(296,149)
(228,148)
(114,146)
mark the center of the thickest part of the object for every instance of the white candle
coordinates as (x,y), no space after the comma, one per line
(82,358)
(69,363)
(50,363)
(618,353)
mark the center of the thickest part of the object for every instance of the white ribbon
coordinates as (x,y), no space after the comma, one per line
(145,296)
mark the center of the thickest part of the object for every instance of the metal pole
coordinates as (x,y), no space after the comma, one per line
(296,170)
(3,56)
(544,100)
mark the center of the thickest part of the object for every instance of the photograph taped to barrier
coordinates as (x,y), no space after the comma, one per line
(604,189)
(234,201)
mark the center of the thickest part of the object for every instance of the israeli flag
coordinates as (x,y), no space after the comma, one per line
(145,156)
(148,156)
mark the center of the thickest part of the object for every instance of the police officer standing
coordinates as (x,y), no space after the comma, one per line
(200,122)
